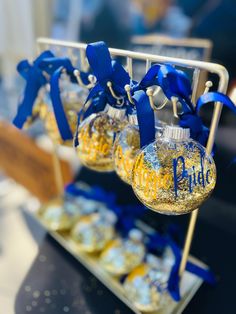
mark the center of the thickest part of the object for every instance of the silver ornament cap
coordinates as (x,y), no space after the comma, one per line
(176,133)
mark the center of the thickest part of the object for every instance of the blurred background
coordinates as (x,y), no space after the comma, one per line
(116,23)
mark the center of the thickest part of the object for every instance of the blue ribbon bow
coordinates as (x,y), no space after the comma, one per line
(198,130)
(213,97)
(106,70)
(55,67)
(126,215)
(34,81)
(176,83)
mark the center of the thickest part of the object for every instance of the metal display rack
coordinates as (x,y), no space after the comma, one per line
(76,51)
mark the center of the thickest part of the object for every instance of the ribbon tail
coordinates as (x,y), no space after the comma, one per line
(215,97)
(25,108)
(146,119)
(60,115)
(205,274)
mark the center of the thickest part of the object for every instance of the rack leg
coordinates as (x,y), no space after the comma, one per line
(188,241)
(57,171)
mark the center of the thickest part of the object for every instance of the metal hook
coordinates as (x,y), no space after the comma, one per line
(208,85)
(128,89)
(174,101)
(46,75)
(150,93)
(92,79)
(120,100)
(80,82)
(157,91)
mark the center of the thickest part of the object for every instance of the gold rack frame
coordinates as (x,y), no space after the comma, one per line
(197,66)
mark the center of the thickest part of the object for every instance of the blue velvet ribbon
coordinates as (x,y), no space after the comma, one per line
(173,83)
(105,69)
(146,119)
(157,243)
(174,279)
(55,67)
(176,83)
(94,193)
(213,97)
(50,65)
(198,130)
(34,81)
(149,79)
(126,215)
(59,112)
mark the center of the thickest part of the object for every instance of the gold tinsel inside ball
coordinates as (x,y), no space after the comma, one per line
(126,148)
(96,136)
(92,232)
(51,127)
(143,288)
(121,256)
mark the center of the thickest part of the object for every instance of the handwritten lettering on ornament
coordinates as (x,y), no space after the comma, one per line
(152,179)
(94,145)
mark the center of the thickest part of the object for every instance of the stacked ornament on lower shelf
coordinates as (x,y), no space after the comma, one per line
(92,227)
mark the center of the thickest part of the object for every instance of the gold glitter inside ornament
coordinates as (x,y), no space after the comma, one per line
(173,175)
(96,136)
(126,147)
(121,256)
(91,233)
(145,286)
(56,218)
(51,127)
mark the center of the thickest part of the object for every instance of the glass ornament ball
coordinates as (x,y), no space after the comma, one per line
(96,135)
(173,175)
(145,286)
(51,126)
(92,232)
(56,218)
(126,147)
(120,256)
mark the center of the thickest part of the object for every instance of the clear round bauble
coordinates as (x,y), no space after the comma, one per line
(173,175)
(92,232)
(120,256)
(96,135)
(51,126)
(126,147)
(55,217)
(146,286)
(73,96)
